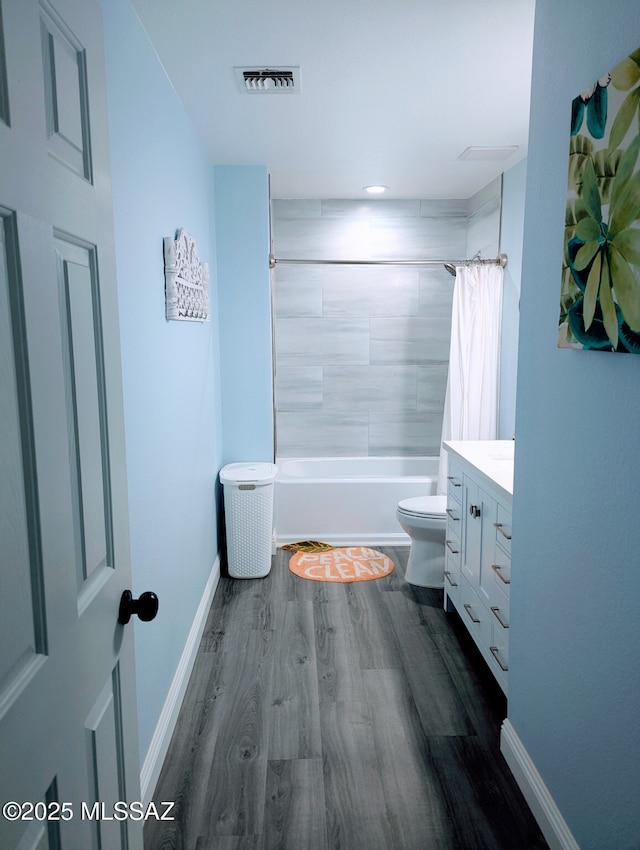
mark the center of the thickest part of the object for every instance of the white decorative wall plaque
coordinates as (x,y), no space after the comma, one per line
(186,280)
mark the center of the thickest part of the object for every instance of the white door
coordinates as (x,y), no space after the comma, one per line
(68,736)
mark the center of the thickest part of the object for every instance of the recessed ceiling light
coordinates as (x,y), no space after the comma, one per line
(488,154)
(375,190)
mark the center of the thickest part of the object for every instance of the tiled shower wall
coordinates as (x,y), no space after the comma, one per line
(362,351)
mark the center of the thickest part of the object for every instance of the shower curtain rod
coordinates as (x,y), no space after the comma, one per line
(501,260)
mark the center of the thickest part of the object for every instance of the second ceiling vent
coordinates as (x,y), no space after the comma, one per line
(283,80)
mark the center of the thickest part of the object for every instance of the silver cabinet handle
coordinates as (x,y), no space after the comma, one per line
(498,571)
(453,481)
(467,608)
(450,547)
(496,613)
(498,525)
(495,652)
(450,512)
(448,575)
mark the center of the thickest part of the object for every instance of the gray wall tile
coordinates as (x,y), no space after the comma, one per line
(323,238)
(362,351)
(305,342)
(436,292)
(299,387)
(410,340)
(281,209)
(417,239)
(370,291)
(445,208)
(432,385)
(408,434)
(369,388)
(298,291)
(483,231)
(370,209)
(483,196)
(322,434)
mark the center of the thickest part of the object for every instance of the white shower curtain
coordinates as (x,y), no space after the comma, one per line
(471,400)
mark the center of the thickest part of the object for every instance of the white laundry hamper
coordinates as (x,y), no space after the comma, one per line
(248,514)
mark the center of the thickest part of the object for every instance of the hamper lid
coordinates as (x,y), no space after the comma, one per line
(239,473)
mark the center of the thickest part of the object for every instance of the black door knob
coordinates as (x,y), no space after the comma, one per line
(146,607)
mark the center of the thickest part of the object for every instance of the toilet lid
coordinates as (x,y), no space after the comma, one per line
(428,506)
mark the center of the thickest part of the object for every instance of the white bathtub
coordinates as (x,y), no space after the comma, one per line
(350,500)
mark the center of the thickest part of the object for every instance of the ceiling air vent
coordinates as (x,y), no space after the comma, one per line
(488,154)
(269,80)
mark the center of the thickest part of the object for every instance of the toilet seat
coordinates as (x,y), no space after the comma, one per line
(430,507)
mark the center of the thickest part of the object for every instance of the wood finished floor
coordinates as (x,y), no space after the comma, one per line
(338,717)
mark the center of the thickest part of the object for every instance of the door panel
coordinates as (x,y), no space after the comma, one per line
(84,385)
(66,93)
(67,696)
(106,759)
(4,93)
(21,610)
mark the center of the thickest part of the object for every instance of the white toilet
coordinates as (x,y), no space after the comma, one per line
(424,519)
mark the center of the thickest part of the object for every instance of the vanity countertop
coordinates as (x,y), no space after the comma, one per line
(492,458)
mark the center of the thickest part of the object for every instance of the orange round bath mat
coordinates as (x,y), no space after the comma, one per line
(354,563)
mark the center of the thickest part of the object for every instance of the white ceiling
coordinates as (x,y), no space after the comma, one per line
(392,91)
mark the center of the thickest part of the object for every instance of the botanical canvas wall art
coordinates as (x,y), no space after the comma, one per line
(600,295)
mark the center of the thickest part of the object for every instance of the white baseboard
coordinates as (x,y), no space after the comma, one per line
(371,540)
(169,715)
(536,793)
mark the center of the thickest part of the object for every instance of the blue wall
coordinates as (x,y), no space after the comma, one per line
(511,236)
(242,236)
(161,181)
(574,690)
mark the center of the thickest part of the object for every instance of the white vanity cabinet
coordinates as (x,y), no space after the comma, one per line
(478,545)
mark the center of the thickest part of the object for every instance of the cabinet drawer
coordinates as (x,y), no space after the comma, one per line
(452,563)
(502,526)
(500,611)
(454,516)
(501,574)
(499,646)
(454,485)
(452,547)
(499,650)
(452,583)
(474,615)
(452,544)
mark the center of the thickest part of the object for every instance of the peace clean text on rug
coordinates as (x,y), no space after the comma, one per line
(354,563)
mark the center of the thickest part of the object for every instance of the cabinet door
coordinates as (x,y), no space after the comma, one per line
(472,543)
(486,578)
